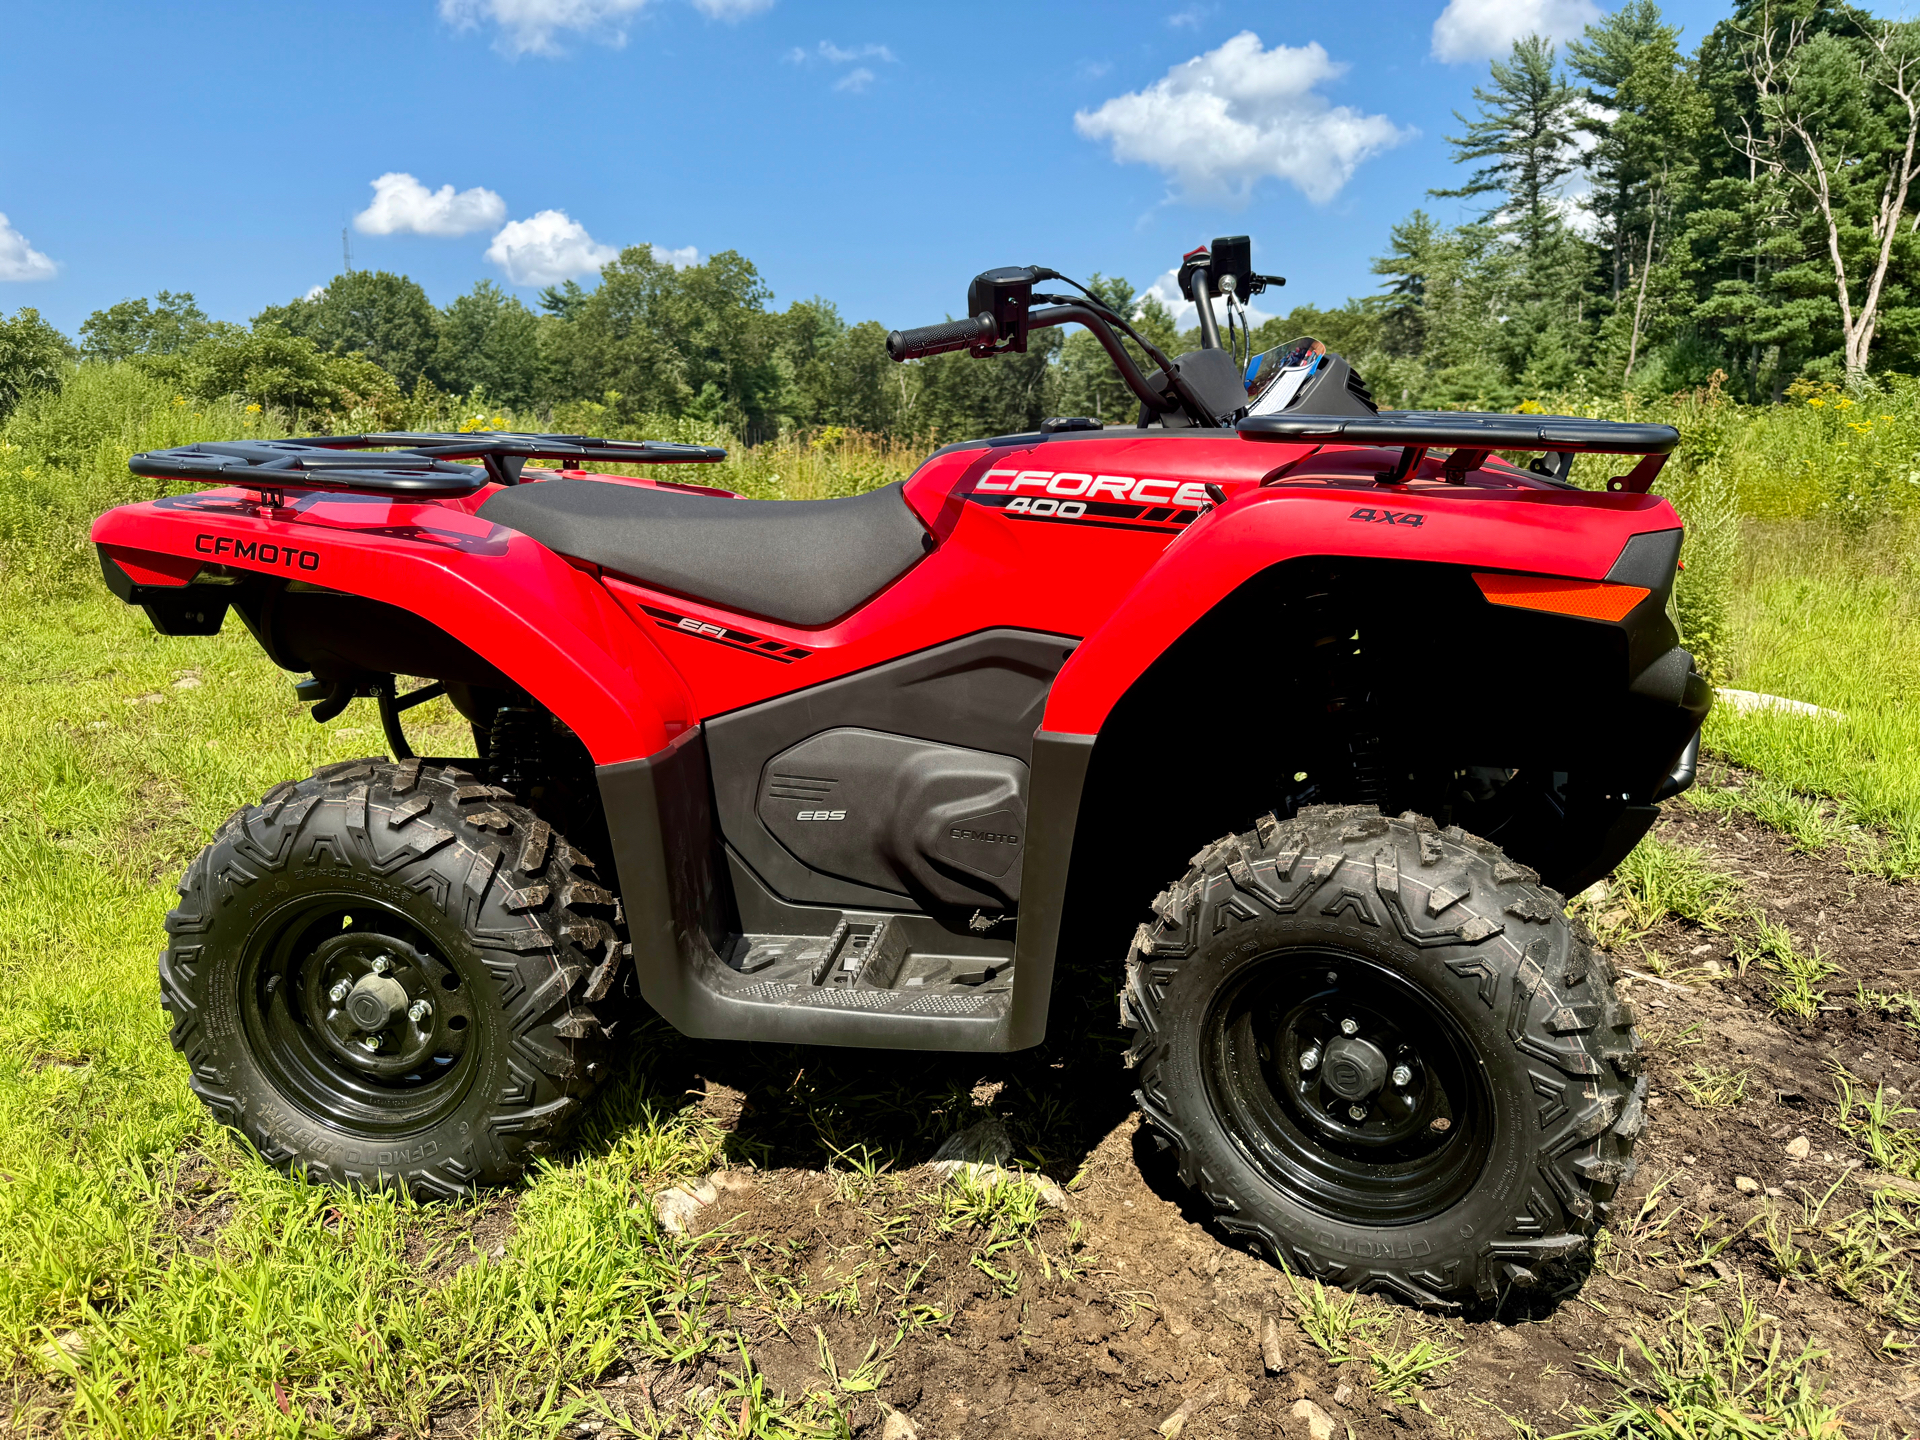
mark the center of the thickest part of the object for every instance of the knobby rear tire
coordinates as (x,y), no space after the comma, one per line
(500,909)
(1492,956)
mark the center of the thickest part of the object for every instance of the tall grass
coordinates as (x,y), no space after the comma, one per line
(63,456)
(63,460)
(1828,615)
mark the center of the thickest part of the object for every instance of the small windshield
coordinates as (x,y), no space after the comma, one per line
(1275,377)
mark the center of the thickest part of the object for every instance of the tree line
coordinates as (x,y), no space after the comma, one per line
(1646,217)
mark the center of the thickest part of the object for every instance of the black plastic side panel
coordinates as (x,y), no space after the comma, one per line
(939,824)
(1058,772)
(984,692)
(1648,560)
(673,885)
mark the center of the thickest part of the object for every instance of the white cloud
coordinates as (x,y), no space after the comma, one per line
(1220,122)
(1477,29)
(857,79)
(731,9)
(19,260)
(547,248)
(402,205)
(680,259)
(528,27)
(314,292)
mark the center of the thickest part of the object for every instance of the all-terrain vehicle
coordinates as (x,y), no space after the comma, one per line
(1336,698)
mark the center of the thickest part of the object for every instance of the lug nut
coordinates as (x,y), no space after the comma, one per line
(382,965)
(1402,1075)
(419,1011)
(371,1043)
(1332,978)
(339,992)
(1350,1027)
(1357,1113)
(1310,1058)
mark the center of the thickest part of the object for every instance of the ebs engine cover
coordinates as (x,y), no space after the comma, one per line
(937,823)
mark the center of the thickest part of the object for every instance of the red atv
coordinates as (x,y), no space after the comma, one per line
(1341,700)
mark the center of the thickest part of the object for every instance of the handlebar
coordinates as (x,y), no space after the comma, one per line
(926,340)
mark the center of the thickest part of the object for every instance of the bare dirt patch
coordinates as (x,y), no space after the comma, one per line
(1112,1315)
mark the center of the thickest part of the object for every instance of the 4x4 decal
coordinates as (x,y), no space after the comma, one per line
(1388,517)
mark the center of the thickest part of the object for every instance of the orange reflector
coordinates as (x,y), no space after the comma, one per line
(1589,599)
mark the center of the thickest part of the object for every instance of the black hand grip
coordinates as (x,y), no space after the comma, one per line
(934,339)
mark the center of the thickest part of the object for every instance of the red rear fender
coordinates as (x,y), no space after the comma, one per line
(549,627)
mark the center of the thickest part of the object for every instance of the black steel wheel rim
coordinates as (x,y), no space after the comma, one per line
(1347,1087)
(357,1016)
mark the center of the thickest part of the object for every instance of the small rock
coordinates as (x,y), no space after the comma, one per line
(1052,1196)
(1774,1191)
(730,1182)
(65,1349)
(1876,1181)
(1320,1425)
(674,1208)
(1712,967)
(1271,1346)
(1721,1269)
(898,1427)
(1797,1149)
(985,1143)
(1177,1419)
(187,682)
(1746,1185)
(1341,1393)
(1741,702)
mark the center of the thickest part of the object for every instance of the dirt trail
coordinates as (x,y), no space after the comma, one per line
(1127,1305)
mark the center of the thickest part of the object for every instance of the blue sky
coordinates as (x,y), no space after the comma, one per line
(875,154)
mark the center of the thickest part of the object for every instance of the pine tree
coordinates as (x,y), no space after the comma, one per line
(1526,133)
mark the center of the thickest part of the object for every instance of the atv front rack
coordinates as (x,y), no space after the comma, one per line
(1474,435)
(418,466)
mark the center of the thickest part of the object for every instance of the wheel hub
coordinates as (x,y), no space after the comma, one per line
(384,1007)
(376,1002)
(1353,1069)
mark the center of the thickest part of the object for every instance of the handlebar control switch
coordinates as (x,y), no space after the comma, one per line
(1005,294)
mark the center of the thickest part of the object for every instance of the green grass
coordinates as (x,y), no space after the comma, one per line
(1658,879)
(1828,616)
(212,1295)
(1732,1376)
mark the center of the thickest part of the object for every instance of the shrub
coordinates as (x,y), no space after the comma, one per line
(283,372)
(33,357)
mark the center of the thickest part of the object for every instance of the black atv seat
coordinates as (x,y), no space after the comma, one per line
(805,562)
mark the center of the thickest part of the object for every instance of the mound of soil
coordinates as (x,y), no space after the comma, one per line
(1127,1313)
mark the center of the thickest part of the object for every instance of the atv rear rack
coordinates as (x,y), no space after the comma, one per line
(420,467)
(1474,435)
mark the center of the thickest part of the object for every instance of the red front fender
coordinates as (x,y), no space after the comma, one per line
(1564,533)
